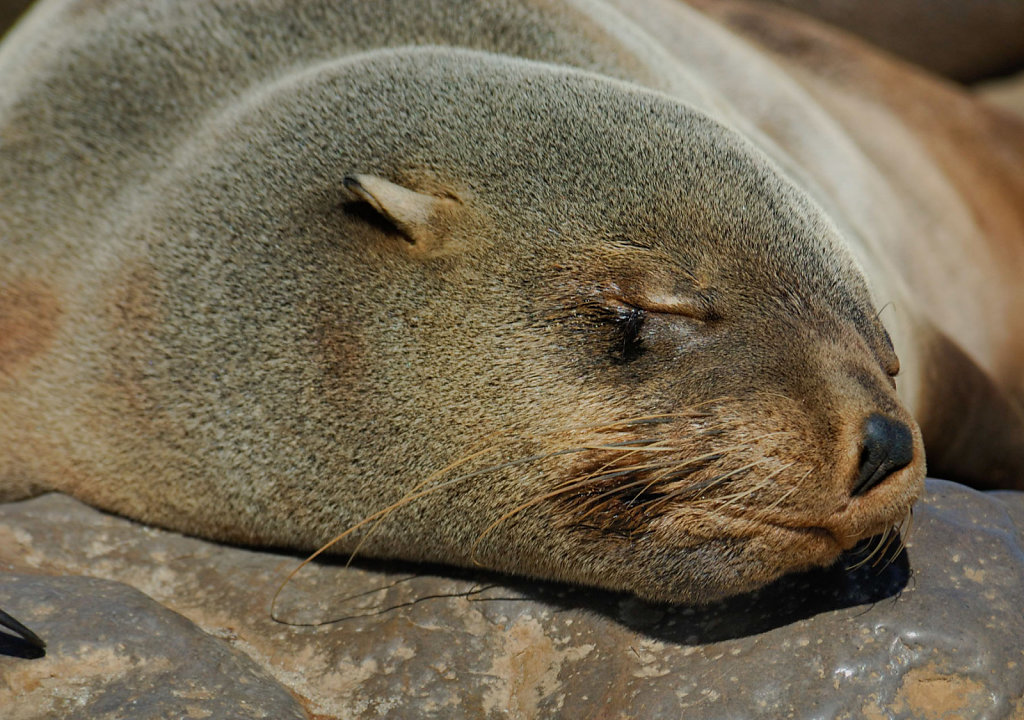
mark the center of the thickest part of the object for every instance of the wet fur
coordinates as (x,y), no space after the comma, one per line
(205,327)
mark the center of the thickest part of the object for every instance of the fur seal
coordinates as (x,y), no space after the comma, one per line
(965,41)
(533,285)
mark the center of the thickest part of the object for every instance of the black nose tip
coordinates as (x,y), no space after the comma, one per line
(888,447)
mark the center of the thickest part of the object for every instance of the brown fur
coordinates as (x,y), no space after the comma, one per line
(28,321)
(965,41)
(308,275)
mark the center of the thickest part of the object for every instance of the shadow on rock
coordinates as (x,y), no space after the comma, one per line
(379,589)
(788,600)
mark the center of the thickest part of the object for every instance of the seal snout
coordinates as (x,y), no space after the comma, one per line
(888,446)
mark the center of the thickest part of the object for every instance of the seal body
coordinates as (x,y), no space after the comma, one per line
(537,285)
(963,41)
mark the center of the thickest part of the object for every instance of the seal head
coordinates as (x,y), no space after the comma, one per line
(560,326)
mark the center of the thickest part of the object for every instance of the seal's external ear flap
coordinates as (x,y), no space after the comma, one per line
(423,219)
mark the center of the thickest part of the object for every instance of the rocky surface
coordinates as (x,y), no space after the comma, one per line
(938,633)
(113,652)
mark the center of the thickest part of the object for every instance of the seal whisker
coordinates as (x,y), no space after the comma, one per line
(768,511)
(418,491)
(908,521)
(636,445)
(628,447)
(902,534)
(731,500)
(788,494)
(671,470)
(518,509)
(569,486)
(593,504)
(688,490)
(630,470)
(653,419)
(633,446)
(710,483)
(415,493)
(892,537)
(875,547)
(576,484)
(600,476)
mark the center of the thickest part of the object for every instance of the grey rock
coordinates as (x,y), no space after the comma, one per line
(113,652)
(935,632)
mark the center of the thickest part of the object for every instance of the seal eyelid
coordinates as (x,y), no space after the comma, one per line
(695,308)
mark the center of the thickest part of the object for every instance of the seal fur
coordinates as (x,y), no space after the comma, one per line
(541,292)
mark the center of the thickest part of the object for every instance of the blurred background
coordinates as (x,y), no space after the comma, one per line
(977,43)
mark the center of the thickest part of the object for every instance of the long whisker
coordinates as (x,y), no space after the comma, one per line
(562,490)
(705,485)
(684,490)
(417,491)
(644,483)
(786,495)
(728,501)
(907,521)
(412,495)
(892,537)
(421,489)
(877,546)
(628,447)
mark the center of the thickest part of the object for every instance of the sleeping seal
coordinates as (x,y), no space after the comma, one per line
(523,283)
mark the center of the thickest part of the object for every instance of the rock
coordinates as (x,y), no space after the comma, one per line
(113,652)
(935,633)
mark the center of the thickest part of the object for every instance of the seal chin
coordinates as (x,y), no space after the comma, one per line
(753,548)
(718,568)
(878,511)
(711,504)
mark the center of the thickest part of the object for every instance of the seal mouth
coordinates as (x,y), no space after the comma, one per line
(879,514)
(857,520)
(783,541)
(817,534)
(705,506)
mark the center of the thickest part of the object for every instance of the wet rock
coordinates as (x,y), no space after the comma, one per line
(936,632)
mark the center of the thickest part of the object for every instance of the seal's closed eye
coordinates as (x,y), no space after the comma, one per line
(631,324)
(697,307)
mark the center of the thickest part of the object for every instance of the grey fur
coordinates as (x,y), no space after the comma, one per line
(242,350)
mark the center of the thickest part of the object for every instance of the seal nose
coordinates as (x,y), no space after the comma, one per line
(888,447)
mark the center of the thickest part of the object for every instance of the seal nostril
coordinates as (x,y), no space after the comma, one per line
(888,447)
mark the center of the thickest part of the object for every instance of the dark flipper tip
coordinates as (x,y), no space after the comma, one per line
(23,632)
